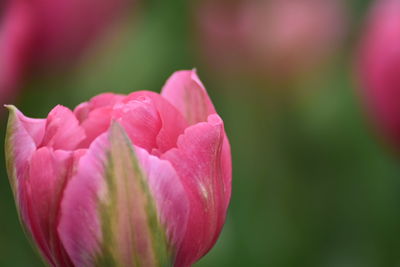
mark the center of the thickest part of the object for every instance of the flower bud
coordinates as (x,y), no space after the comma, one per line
(281,38)
(136,180)
(44,35)
(379,68)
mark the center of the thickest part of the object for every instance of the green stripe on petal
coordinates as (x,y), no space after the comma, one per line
(9,152)
(132,234)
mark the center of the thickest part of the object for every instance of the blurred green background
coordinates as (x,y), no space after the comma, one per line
(312,183)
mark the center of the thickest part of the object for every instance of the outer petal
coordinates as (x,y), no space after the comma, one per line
(185,91)
(171,199)
(109,215)
(200,165)
(48,174)
(226,159)
(23,136)
(37,178)
(19,147)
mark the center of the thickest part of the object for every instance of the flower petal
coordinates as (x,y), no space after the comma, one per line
(37,178)
(79,228)
(185,91)
(172,121)
(200,163)
(48,174)
(23,136)
(167,189)
(141,121)
(109,215)
(62,130)
(96,123)
(105,100)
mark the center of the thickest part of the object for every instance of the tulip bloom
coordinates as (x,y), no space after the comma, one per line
(43,35)
(379,68)
(282,37)
(136,180)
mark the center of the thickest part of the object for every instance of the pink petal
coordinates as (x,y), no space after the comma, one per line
(96,123)
(48,174)
(105,100)
(185,91)
(82,111)
(23,135)
(201,163)
(108,213)
(227,169)
(79,228)
(140,120)
(34,127)
(167,189)
(172,122)
(37,178)
(95,115)
(62,130)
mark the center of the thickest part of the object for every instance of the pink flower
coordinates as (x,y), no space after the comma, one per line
(123,180)
(379,68)
(282,37)
(41,35)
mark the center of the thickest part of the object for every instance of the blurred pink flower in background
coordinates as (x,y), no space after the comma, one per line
(379,68)
(282,37)
(123,180)
(47,35)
